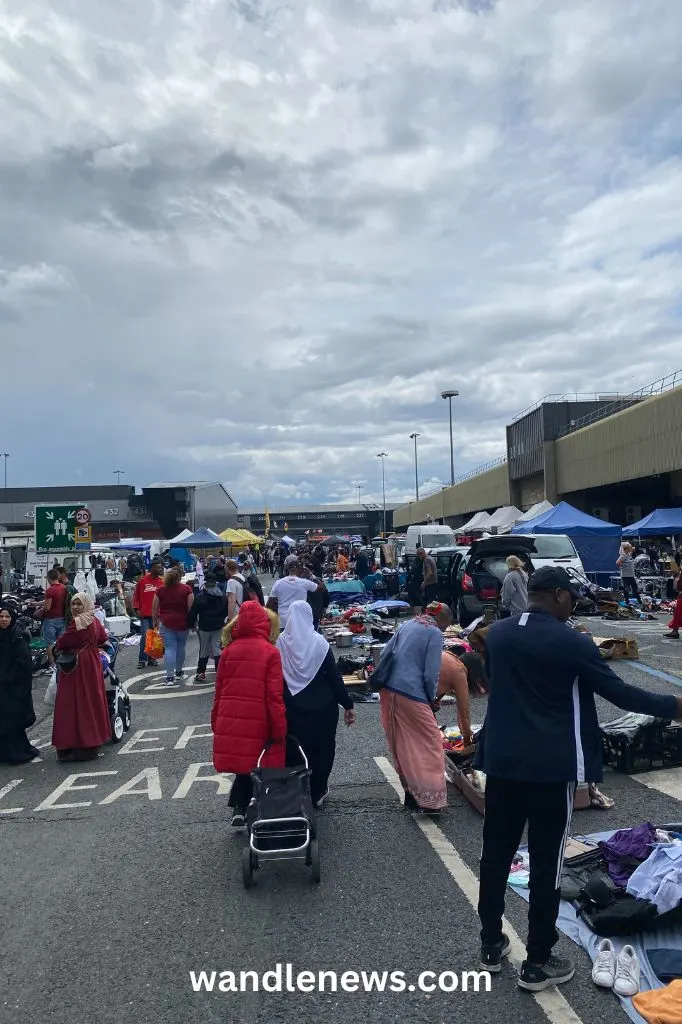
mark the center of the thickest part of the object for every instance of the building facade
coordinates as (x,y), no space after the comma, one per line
(300,521)
(118,511)
(616,458)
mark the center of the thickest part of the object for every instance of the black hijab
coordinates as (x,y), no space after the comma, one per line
(9,634)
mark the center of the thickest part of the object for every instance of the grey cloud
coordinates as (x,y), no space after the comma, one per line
(281,228)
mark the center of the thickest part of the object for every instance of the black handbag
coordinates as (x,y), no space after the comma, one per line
(66,661)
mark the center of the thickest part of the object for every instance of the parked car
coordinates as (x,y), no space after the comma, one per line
(555,549)
(475,578)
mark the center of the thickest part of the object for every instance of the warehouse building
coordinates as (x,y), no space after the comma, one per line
(615,458)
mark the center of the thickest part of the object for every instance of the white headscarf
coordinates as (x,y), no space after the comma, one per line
(302,649)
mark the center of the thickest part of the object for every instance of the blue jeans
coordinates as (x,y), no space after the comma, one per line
(174,642)
(145,624)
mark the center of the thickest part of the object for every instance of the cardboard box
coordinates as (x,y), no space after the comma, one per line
(476,797)
(615,648)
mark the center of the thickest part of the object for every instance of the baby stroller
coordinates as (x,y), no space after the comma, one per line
(117,698)
(280,818)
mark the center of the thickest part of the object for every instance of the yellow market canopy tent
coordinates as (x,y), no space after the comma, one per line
(250,537)
(234,538)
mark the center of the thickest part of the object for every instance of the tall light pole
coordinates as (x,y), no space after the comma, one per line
(450,395)
(383,456)
(118,473)
(358,484)
(416,466)
(5,456)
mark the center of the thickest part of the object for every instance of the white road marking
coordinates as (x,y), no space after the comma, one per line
(12,784)
(223,780)
(190,733)
(668,781)
(162,694)
(553,1004)
(139,737)
(151,788)
(68,786)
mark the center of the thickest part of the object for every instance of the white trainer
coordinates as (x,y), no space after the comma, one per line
(627,973)
(604,967)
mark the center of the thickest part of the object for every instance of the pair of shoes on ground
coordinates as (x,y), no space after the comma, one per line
(532,977)
(619,971)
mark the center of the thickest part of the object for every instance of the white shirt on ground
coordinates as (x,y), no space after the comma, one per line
(288,590)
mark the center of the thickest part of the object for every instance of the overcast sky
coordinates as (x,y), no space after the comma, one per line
(252,240)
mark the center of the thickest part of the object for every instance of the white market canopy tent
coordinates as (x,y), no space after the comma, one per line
(180,537)
(481,522)
(536,510)
(504,518)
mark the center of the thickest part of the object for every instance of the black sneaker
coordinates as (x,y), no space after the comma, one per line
(238,820)
(491,955)
(556,971)
(142,664)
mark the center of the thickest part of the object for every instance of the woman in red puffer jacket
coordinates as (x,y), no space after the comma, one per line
(248,709)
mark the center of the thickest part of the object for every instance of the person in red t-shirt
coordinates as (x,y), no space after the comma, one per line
(143,599)
(170,609)
(53,613)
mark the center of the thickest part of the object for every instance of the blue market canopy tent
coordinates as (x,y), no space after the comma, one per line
(596,541)
(662,522)
(202,538)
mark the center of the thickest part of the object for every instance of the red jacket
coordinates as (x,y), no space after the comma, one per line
(248,709)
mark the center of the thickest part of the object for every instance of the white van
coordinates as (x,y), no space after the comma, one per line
(555,549)
(429,536)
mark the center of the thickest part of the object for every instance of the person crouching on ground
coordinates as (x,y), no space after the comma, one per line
(81,715)
(208,613)
(248,708)
(407,704)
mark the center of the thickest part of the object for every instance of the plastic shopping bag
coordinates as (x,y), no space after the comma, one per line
(153,644)
(51,692)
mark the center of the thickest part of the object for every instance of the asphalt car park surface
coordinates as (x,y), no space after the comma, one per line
(113,894)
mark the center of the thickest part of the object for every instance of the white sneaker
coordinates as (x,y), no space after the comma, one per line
(627,973)
(604,967)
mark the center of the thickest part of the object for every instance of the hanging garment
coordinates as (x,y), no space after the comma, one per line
(661,1005)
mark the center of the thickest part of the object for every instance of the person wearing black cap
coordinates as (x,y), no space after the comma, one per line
(540,738)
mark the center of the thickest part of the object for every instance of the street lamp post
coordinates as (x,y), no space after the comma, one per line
(118,473)
(383,456)
(5,456)
(416,466)
(450,395)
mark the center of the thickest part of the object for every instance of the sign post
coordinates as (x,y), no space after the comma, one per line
(56,528)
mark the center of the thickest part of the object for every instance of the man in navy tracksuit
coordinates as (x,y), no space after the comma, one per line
(541,737)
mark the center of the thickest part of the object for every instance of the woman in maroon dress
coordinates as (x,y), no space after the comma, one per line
(81,716)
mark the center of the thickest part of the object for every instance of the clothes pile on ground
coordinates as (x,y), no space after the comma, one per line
(622,902)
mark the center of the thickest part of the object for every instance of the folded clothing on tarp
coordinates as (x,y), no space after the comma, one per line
(666,963)
(665,938)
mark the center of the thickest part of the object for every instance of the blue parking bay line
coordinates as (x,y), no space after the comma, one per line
(657,672)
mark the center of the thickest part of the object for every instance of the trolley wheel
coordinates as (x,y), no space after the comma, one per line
(247,867)
(125,714)
(117,728)
(314,851)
